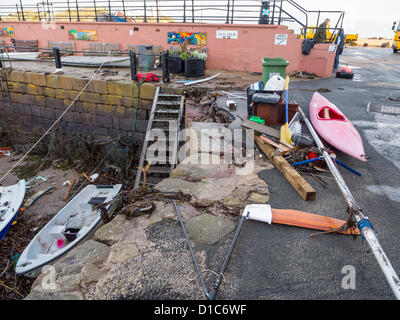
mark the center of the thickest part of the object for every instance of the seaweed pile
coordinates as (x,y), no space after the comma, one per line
(13,287)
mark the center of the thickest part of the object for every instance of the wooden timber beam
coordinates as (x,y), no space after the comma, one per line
(303,188)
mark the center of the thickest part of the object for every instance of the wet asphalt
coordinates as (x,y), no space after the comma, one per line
(282,262)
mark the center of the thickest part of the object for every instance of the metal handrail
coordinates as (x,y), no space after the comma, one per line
(218,11)
(50,49)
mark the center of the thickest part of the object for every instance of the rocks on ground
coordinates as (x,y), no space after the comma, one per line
(146,257)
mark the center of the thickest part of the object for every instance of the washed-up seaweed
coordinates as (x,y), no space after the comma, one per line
(299,155)
(135,202)
(14,287)
(302,75)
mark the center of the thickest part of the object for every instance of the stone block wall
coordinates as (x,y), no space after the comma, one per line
(31,102)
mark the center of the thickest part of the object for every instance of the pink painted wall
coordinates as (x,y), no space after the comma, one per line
(243,54)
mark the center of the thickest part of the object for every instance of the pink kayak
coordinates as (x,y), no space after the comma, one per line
(333,126)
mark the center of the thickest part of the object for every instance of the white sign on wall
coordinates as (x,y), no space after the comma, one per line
(227,34)
(332,48)
(281,39)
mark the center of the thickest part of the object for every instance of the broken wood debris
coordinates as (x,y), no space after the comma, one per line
(302,75)
(303,188)
(71,185)
(272,132)
(280,147)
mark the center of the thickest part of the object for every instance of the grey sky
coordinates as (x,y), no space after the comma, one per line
(365,17)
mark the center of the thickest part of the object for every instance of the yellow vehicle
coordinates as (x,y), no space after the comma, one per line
(396,42)
(350,38)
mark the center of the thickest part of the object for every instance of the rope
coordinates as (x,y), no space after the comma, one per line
(203,270)
(363,223)
(54,124)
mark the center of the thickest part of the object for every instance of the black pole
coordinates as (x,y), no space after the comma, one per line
(264,13)
(280,13)
(57,58)
(145,13)
(158,19)
(193,11)
(273,12)
(95,10)
(132,56)
(191,251)
(22,10)
(123,9)
(48,11)
(228,256)
(184,11)
(109,10)
(38,11)
(52,11)
(17,12)
(233,10)
(77,11)
(165,69)
(69,11)
(227,11)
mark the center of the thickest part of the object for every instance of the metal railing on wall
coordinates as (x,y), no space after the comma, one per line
(137,60)
(276,12)
(219,11)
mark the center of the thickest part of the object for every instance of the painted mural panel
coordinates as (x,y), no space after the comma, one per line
(88,35)
(191,37)
(7,32)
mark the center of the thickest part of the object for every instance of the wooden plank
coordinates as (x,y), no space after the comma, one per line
(65,198)
(303,188)
(281,147)
(309,221)
(261,128)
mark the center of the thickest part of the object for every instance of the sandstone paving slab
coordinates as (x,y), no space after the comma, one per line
(208,229)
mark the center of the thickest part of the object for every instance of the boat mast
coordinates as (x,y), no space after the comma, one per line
(364,225)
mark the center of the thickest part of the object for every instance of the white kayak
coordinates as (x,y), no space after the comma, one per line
(78,219)
(10,200)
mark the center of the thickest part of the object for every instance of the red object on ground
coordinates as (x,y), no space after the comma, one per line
(345,69)
(5,151)
(313,155)
(147,77)
(333,126)
(345,72)
(309,220)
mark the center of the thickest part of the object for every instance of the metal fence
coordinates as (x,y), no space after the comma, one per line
(286,12)
(218,11)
